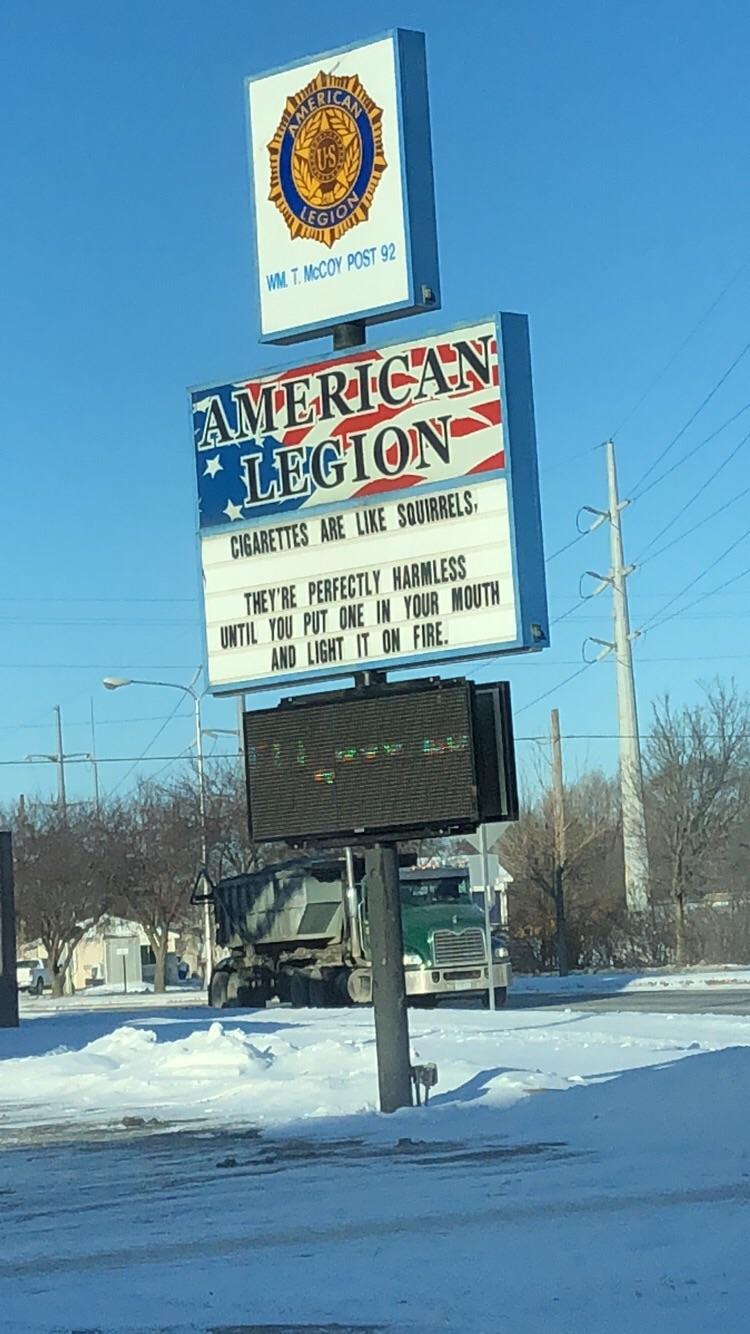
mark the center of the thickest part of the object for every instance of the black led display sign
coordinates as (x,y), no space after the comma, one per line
(357,765)
(362,764)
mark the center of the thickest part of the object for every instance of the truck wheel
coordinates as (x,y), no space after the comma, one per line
(320,993)
(251,998)
(299,991)
(218,990)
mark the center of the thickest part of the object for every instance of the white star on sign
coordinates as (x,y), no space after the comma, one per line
(212,467)
(232,511)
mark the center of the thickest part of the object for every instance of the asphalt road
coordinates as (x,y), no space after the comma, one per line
(731,1000)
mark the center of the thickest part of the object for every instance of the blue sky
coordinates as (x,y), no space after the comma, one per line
(591,170)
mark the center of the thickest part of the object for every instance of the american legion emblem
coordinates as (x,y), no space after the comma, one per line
(327,158)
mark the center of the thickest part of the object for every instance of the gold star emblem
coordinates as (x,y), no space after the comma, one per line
(327,158)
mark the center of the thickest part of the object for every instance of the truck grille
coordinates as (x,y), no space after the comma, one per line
(457,947)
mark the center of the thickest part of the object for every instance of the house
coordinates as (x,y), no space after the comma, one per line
(117,952)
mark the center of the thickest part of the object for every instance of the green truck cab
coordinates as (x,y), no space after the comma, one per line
(298,932)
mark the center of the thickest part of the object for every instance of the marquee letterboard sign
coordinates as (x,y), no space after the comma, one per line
(377,509)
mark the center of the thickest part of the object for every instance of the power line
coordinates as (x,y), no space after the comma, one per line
(97,666)
(572,543)
(87,600)
(692,582)
(703,404)
(680,463)
(99,620)
(564,614)
(689,531)
(709,593)
(668,365)
(102,722)
(554,688)
(696,495)
(546,468)
(152,742)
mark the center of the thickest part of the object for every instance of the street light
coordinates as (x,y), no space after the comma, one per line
(116,683)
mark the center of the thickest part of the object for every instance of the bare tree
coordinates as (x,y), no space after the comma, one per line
(529,850)
(63,882)
(159,854)
(697,766)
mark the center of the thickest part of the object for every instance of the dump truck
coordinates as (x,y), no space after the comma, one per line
(298,932)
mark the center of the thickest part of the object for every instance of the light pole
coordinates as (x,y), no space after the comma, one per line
(116,683)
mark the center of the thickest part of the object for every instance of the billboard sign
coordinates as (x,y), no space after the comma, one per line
(344,213)
(420,758)
(377,509)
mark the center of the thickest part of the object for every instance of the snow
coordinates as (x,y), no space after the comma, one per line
(112,997)
(652,979)
(575,1171)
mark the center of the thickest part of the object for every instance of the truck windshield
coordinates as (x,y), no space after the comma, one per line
(443,889)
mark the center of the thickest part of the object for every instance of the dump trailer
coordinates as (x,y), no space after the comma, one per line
(298,931)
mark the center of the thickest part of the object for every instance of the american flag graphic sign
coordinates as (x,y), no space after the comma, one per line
(377,507)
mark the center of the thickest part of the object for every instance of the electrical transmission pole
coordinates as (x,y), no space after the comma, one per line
(631,770)
(558,817)
(61,798)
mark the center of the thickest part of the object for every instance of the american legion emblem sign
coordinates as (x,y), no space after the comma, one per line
(327,158)
(343,199)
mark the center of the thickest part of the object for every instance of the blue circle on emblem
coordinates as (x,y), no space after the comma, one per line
(297,205)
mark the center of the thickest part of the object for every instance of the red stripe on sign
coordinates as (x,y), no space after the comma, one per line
(492,464)
(490,411)
(296,436)
(447,352)
(466,426)
(388,484)
(362,421)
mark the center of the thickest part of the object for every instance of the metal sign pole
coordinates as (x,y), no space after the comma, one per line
(487,922)
(388,986)
(8,985)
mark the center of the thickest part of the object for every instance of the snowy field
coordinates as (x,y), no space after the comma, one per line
(187,1171)
(651,979)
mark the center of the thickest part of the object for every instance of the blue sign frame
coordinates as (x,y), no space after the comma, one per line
(418,191)
(524,514)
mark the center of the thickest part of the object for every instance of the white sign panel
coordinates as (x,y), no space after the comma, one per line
(398,580)
(340,155)
(375,509)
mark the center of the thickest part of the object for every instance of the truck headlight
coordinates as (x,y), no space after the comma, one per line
(412,961)
(500,952)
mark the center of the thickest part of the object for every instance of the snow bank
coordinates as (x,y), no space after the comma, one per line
(707,979)
(574,1172)
(112,998)
(284,1067)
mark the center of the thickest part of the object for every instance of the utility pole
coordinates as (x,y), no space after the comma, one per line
(635,846)
(97,802)
(8,985)
(59,758)
(61,800)
(558,820)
